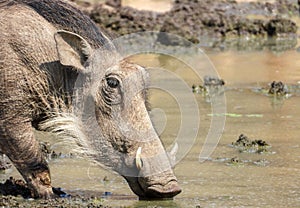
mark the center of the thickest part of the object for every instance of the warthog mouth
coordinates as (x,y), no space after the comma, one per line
(154,191)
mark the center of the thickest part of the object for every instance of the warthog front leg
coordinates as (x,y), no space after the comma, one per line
(18,143)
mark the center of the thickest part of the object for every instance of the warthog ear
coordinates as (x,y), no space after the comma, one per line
(73,50)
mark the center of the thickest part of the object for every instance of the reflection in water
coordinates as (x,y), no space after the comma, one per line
(265,180)
(257,69)
(276,45)
(276,102)
(162,204)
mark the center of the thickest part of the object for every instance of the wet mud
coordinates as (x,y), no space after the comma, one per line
(245,144)
(278,90)
(78,201)
(209,83)
(212,87)
(195,20)
(15,188)
(15,193)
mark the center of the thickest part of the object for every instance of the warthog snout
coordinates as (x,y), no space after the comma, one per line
(169,190)
(157,186)
(149,173)
(147,188)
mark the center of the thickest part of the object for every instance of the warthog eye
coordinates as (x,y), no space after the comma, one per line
(112,82)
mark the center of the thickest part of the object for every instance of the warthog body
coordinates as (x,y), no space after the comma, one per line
(45,46)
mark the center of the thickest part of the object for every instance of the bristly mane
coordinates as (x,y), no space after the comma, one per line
(68,128)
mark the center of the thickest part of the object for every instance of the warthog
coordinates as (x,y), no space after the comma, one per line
(45,46)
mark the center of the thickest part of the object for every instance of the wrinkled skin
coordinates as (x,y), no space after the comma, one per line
(41,56)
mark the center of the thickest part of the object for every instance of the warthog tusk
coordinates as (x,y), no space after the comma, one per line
(138,160)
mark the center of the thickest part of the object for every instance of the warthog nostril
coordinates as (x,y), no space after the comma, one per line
(138,160)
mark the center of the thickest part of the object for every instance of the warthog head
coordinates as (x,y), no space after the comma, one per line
(126,139)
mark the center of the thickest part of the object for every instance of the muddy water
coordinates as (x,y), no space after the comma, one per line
(259,180)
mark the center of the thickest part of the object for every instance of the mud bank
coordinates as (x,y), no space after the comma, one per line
(13,201)
(195,19)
